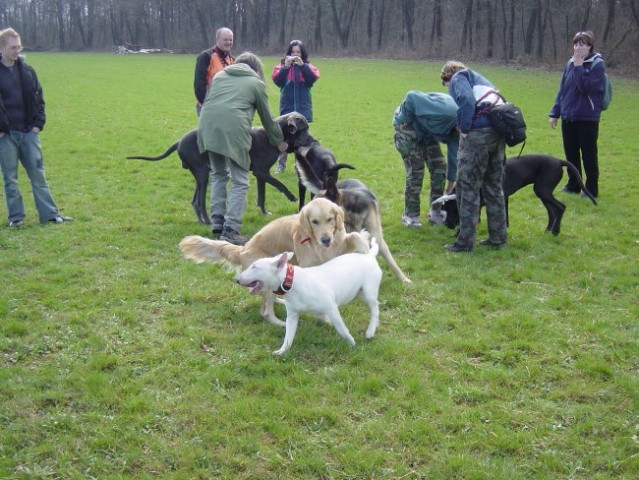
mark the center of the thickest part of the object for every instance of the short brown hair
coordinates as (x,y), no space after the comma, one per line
(584,37)
(450,68)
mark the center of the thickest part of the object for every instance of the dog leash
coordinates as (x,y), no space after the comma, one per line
(287,284)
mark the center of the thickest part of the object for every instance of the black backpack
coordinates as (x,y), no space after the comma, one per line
(509,122)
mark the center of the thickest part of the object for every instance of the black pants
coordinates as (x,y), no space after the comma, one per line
(580,144)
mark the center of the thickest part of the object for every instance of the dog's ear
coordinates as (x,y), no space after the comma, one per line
(283,259)
(304,228)
(296,121)
(339,219)
(332,192)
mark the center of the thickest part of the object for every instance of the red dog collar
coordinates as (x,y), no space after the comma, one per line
(287,284)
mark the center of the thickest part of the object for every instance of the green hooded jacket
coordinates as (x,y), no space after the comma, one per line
(227,114)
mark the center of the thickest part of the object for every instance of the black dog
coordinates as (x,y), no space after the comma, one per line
(263,157)
(320,160)
(544,172)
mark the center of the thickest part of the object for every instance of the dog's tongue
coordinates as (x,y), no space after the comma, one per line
(255,287)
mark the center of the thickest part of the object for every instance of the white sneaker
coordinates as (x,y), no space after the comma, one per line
(411,221)
(437,217)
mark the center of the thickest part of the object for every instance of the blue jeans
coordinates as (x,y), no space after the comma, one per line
(24,147)
(233,207)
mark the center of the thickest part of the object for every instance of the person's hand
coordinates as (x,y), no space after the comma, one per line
(2,134)
(298,61)
(35,130)
(553,122)
(579,54)
(282,147)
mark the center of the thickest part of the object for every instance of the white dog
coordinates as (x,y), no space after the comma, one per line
(319,290)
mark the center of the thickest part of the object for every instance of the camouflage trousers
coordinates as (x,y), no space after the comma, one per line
(417,157)
(480,163)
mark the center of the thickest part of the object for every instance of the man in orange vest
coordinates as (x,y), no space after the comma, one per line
(211,61)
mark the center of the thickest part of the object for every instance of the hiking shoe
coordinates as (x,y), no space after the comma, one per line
(457,248)
(231,236)
(489,243)
(218,224)
(411,221)
(280,168)
(60,219)
(16,223)
(437,217)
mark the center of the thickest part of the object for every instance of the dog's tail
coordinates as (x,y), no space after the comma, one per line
(171,149)
(200,249)
(336,168)
(575,172)
(374,247)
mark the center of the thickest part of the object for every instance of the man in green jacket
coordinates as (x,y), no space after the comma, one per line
(421,122)
(224,133)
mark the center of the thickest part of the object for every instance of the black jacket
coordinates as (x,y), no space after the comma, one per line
(31,93)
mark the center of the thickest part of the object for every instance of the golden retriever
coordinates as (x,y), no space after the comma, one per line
(315,235)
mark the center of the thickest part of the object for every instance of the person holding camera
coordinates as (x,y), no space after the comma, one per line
(295,76)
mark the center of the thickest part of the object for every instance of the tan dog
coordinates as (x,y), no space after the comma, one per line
(315,235)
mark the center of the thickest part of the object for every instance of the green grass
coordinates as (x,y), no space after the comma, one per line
(119,359)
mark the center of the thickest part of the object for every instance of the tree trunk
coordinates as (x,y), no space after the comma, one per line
(60,21)
(380,29)
(467,36)
(408,7)
(610,21)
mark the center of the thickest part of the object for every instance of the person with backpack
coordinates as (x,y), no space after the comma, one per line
(579,103)
(480,159)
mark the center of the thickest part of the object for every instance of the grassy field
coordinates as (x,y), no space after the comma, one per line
(121,360)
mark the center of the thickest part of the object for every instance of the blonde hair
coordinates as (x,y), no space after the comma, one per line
(8,33)
(450,68)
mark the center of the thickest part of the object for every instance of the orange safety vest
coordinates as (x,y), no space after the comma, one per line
(216,65)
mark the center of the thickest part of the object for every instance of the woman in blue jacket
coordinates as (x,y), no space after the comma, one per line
(579,103)
(295,76)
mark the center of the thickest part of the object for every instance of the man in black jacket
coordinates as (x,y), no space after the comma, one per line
(22,119)
(210,62)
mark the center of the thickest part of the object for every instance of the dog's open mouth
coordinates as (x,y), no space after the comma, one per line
(254,287)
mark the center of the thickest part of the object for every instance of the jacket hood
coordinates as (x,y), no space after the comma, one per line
(240,70)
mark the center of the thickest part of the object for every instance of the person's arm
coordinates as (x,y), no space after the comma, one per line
(452,146)
(280,72)
(271,127)
(310,74)
(462,93)
(199,81)
(40,117)
(555,111)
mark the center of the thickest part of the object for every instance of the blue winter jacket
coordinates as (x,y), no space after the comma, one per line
(469,115)
(581,91)
(295,88)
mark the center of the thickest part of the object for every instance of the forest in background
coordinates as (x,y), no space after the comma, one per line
(503,31)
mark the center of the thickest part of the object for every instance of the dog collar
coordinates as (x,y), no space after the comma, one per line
(287,284)
(307,239)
